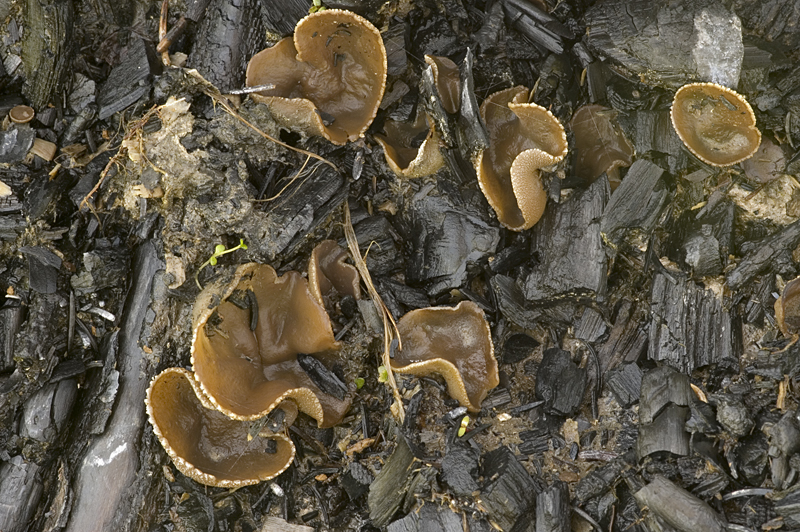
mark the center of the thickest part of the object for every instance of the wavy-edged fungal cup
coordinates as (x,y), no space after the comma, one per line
(244,352)
(715,123)
(523,139)
(455,342)
(206,445)
(328,79)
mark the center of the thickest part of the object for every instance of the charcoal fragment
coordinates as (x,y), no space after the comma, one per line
(322,377)
(356,480)
(15,143)
(553,512)
(784,441)
(518,347)
(129,80)
(509,494)
(560,382)
(625,383)
(635,207)
(460,468)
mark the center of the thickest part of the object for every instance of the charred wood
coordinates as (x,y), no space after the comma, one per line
(691,326)
(567,242)
(228,36)
(109,484)
(46,49)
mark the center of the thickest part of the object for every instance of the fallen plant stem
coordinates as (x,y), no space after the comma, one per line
(390,331)
(121,152)
(212,92)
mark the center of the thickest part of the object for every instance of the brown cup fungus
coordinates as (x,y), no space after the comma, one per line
(454,342)
(328,80)
(248,330)
(448,81)
(404,153)
(329,275)
(600,144)
(523,138)
(787,308)
(206,445)
(244,352)
(21,114)
(715,123)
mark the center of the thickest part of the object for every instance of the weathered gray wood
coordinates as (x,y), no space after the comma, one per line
(20,490)
(387,493)
(106,479)
(679,508)
(46,48)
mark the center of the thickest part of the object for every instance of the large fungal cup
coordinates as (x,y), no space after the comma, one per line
(206,445)
(328,79)
(715,123)
(523,139)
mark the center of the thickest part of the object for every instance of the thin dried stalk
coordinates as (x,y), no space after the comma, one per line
(134,129)
(389,326)
(212,92)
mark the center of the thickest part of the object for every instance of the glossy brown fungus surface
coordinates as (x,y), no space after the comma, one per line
(206,445)
(328,79)
(715,123)
(455,342)
(411,150)
(600,145)
(244,353)
(523,138)
(329,273)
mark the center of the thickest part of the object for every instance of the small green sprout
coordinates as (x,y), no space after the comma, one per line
(219,251)
(383,374)
(359,382)
(317,7)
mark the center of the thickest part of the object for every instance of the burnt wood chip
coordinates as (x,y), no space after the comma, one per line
(322,377)
(460,468)
(691,326)
(567,241)
(553,513)
(127,81)
(560,382)
(509,494)
(356,480)
(601,479)
(436,518)
(625,383)
(635,207)
(518,347)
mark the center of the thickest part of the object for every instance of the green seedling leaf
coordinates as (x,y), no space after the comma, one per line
(359,383)
(383,375)
(219,250)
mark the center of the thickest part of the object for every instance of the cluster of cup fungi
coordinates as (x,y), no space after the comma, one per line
(251,327)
